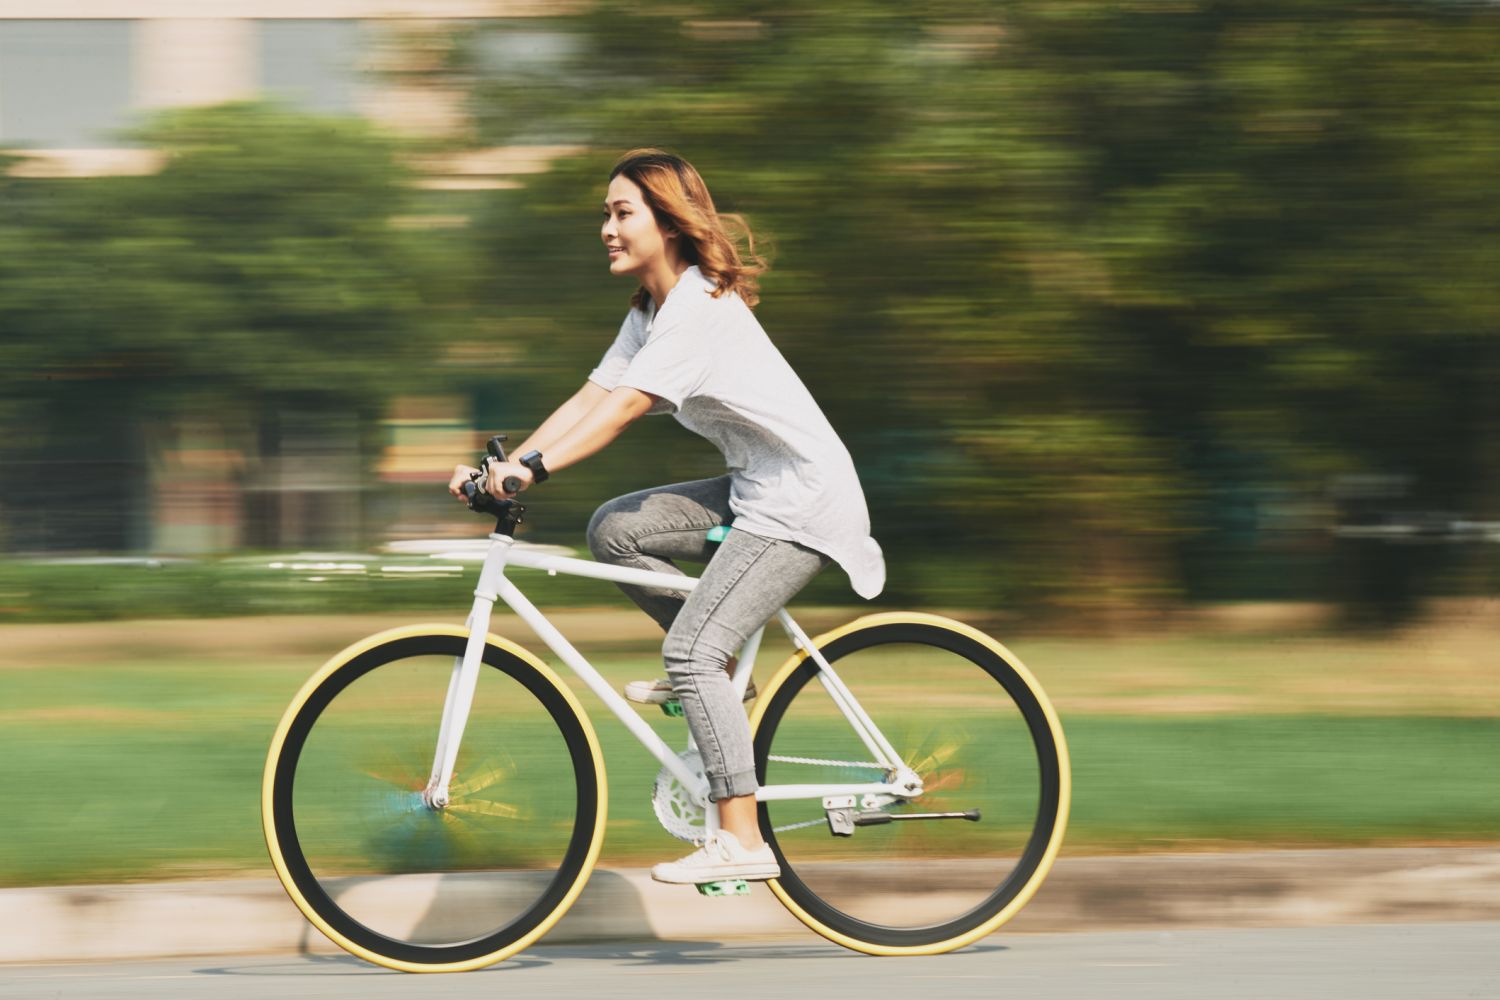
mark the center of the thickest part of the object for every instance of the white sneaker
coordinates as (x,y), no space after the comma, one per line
(722,857)
(659,692)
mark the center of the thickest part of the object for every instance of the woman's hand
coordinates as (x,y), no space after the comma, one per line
(498,471)
(461,474)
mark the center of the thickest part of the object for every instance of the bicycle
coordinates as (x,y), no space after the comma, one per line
(448,850)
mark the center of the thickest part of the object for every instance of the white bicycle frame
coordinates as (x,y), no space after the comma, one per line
(901,781)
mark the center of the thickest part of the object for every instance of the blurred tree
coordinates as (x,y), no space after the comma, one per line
(256,278)
(1099,294)
(1085,285)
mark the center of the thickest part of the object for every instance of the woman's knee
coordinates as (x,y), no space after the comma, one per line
(609,532)
(689,650)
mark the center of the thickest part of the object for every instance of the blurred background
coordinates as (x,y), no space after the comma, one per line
(1165,336)
(1115,304)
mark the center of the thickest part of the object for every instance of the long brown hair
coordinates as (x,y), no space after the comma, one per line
(680,200)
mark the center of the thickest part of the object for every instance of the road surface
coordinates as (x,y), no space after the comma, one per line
(1430,961)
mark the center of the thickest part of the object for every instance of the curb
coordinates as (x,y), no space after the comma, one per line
(1275,888)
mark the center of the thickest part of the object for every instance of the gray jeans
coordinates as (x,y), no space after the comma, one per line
(747,580)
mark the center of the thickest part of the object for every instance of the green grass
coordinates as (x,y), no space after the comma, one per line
(148,771)
(136,753)
(1173,783)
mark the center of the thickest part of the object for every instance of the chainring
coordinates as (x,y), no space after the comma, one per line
(676,810)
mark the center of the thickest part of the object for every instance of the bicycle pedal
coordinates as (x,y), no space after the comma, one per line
(672,708)
(728,887)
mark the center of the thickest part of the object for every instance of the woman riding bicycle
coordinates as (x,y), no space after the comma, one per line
(691,346)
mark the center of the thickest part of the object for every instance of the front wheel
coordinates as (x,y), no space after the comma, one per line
(411,887)
(968,717)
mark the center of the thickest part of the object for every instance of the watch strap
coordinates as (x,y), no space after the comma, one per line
(533,461)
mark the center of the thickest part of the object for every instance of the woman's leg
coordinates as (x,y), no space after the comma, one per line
(652,528)
(749,580)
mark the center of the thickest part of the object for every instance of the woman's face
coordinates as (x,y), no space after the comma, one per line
(633,239)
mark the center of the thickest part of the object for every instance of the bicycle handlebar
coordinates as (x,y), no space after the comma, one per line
(476,490)
(479,482)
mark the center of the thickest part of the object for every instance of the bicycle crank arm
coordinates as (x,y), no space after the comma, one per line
(877,818)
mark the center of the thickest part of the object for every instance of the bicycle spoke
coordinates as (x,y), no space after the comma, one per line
(500,810)
(479,782)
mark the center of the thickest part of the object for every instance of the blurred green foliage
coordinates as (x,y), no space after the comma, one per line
(255,274)
(1082,283)
(81,591)
(257,266)
(1103,297)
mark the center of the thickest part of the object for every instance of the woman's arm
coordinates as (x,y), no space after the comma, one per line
(589,434)
(563,418)
(554,427)
(598,427)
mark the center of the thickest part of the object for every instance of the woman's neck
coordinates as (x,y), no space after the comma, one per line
(663,278)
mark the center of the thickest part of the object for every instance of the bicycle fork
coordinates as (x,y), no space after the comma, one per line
(460,699)
(463,680)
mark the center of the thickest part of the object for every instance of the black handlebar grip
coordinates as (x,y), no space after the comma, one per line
(493,447)
(511,483)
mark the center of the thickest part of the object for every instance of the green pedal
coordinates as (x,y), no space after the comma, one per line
(728,887)
(672,708)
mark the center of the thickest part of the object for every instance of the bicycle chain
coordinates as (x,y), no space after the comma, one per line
(821,821)
(829,763)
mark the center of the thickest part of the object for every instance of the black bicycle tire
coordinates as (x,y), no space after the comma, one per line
(1052,809)
(302,884)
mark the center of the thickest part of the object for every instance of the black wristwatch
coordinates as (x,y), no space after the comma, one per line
(533,461)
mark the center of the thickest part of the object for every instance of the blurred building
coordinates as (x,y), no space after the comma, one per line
(75,75)
(73,78)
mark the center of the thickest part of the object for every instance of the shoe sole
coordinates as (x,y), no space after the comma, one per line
(758,873)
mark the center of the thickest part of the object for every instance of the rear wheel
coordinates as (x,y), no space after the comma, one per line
(974,724)
(404,885)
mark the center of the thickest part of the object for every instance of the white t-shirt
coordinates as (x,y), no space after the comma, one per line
(719,374)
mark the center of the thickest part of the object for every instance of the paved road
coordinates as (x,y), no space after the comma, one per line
(1431,961)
